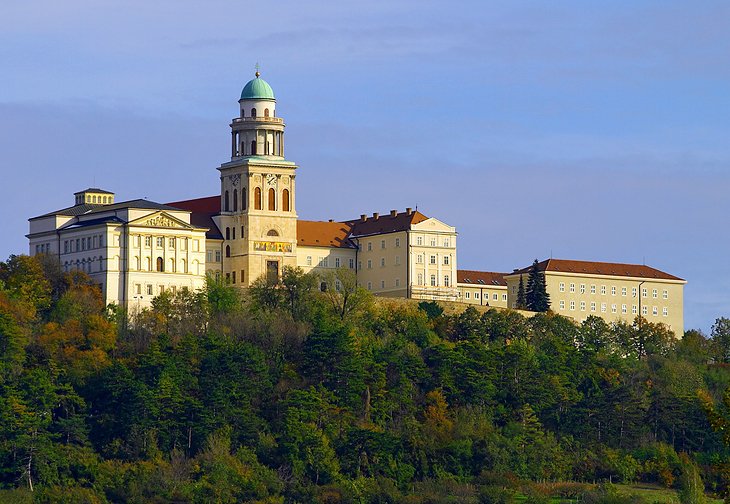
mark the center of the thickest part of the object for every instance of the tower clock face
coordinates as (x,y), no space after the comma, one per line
(270,178)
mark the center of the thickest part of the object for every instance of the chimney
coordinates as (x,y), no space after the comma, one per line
(376,215)
(393,213)
(363,217)
(409,210)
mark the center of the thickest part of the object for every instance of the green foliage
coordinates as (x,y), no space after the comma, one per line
(536,297)
(284,393)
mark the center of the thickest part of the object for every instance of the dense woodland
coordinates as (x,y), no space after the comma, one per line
(288,394)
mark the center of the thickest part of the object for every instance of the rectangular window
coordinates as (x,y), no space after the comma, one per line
(593,288)
(217,256)
(433,280)
(382,244)
(572,305)
(665,311)
(562,304)
(370,286)
(242,276)
(613,308)
(623,291)
(419,240)
(603,307)
(160,241)
(447,242)
(644,310)
(397,242)
(624,310)
(324,261)
(433,259)
(433,242)
(446,281)
(370,264)
(101,240)
(654,311)
(562,286)
(654,293)
(397,260)
(136,241)
(644,292)
(352,263)
(504,297)
(382,284)
(603,290)
(171,242)
(419,259)
(476,295)
(147,241)
(446,260)
(582,306)
(613,290)
(382,262)
(593,306)
(65,247)
(337,262)
(397,282)
(420,279)
(138,289)
(665,294)
(582,288)
(634,310)
(466,295)
(83,243)
(309,260)
(370,246)
(572,287)
(633,292)
(149,289)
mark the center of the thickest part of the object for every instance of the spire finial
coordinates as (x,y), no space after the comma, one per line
(257,70)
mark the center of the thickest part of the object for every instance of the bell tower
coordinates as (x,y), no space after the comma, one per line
(258,215)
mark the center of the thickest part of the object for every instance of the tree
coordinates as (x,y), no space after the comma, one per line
(521,299)
(347,296)
(536,299)
(721,339)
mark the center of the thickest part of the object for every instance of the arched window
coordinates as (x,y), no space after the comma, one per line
(253,147)
(243,201)
(228,233)
(171,266)
(226,205)
(149,264)
(257,198)
(272,232)
(272,199)
(160,264)
(228,251)
(266,112)
(285,200)
(234,233)
(253,112)
(235,200)
(243,113)
(242,235)
(137,263)
(184,266)
(93,199)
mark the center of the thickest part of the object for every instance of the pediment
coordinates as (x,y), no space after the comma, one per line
(161,220)
(433,224)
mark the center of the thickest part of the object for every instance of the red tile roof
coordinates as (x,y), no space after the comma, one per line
(323,234)
(599,268)
(202,211)
(481,278)
(387,223)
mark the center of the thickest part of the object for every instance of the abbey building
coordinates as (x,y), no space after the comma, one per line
(137,249)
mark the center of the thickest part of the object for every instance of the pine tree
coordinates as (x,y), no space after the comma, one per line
(536,298)
(521,299)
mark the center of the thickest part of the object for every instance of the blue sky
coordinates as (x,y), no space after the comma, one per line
(582,129)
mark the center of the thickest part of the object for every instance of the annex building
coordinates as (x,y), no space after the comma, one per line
(137,249)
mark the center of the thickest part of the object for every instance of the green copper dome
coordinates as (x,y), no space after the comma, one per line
(257,89)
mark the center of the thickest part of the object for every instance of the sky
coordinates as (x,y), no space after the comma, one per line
(576,129)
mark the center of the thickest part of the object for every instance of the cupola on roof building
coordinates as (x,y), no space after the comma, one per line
(137,249)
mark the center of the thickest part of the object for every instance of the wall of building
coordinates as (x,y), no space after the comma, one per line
(432,251)
(483,295)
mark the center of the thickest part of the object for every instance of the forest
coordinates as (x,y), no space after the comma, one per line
(283,393)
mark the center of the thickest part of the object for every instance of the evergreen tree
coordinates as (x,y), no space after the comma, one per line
(536,298)
(521,300)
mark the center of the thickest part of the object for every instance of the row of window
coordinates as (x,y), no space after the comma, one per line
(382,262)
(396,284)
(382,244)
(433,241)
(614,290)
(433,259)
(495,296)
(160,266)
(257,202)
(324,262)
(86,264)
(93,198)
(83,243)
(419,241)
(43,248)
(275,147)
(150,290)
(210,256)
(434,280)
(253,113)
(614,308)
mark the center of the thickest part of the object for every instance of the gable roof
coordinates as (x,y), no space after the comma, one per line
(87,208)
(481,278)
(202,211)
(599,268)
(323,234)
(388,223)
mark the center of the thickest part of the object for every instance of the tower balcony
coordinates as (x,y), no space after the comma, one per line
(274,120)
